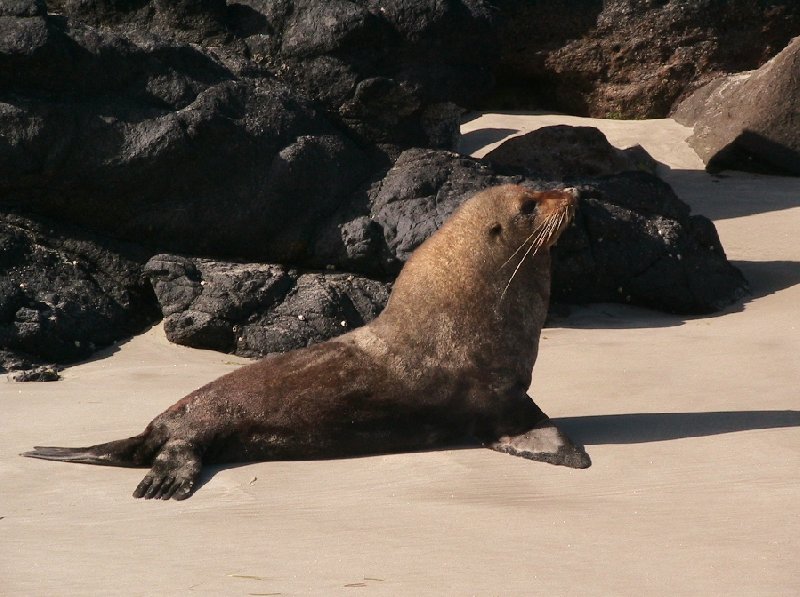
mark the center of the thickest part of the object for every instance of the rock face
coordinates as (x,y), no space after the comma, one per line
(388,72)
(749,121)
(630,58)
(253,309)
(304,133)
(420,191)
(633,240)
(64,293)
(151,141)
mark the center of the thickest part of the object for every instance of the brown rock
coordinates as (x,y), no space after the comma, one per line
(630,58)
(751,120)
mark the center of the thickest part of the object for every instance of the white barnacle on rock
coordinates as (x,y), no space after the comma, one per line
(301,317)
(343,323)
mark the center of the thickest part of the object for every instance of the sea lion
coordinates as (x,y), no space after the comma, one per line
(449,359)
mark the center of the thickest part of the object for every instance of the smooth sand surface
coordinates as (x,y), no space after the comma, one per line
(692,424)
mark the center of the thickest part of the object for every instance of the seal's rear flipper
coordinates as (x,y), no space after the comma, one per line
(546,443)
(123,452)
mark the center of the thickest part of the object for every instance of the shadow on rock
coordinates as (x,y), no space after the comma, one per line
(638,428)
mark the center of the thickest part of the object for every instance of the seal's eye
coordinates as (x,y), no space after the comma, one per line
(528,207)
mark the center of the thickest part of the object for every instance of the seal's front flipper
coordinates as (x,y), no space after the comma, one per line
(544,442)
(174,474)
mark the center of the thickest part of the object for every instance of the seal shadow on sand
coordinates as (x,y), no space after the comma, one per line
(634,428)
(637,428)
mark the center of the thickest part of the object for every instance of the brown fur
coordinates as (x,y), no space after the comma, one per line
(449,359)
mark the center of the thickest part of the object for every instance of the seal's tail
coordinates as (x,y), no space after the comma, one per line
(131,452)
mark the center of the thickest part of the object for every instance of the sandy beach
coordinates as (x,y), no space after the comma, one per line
(693,425)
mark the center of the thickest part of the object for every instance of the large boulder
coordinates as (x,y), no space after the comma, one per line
(154,141)
(751,120)
(629,58)
(124,128)
(634,240)
(65,293)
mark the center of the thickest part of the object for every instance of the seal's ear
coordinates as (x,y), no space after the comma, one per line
(495,229)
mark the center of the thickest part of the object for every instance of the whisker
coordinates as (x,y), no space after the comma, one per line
(546,230)
(519,248)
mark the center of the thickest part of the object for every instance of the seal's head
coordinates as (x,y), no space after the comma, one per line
(481,284)
(499,235)
(522,220)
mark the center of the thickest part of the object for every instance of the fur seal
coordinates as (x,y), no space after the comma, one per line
(448,360)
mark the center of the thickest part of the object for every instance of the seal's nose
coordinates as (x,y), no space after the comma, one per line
(574,194)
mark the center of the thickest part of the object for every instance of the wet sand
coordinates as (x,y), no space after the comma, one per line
(693,425)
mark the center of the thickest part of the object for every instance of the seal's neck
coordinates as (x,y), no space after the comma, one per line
(449,301)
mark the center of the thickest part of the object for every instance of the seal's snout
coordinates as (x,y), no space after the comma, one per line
(571,195)
(558,200)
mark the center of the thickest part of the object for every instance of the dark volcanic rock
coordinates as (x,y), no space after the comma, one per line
(388,72)
(630,58)
(64,293)
(566,153)
(633,241)
(253,309)
(154,142)
(391,71)
(386,221)
(43,373)
(419,193)
(148,139)
(301,132)
(190,21)
(749,121)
